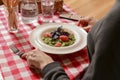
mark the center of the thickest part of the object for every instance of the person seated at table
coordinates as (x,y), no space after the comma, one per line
(36,57)
(103,50)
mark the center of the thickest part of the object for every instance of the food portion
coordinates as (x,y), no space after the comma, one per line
(58,37)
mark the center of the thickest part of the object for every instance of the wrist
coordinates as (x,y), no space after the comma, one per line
(45,64)
(51,67)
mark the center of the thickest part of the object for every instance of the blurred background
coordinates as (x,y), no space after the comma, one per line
(1,2)
(95,8)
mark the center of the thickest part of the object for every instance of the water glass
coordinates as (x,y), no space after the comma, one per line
(29,11)
(47,7)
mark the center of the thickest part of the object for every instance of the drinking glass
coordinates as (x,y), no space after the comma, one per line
(12,14)
(47,7)
(29,11)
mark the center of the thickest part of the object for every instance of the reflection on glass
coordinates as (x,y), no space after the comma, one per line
(47,7)
(29,11)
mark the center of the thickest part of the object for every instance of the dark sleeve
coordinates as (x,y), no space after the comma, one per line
(54,71)
(105,64)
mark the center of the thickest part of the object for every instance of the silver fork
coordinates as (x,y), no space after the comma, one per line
(16,50)
(20,53)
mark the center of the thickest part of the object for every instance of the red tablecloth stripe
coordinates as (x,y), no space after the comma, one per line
(15,68)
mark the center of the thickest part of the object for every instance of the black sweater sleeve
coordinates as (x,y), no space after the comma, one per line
(54,71)
(104,44)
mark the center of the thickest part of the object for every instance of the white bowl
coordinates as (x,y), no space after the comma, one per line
(79,34)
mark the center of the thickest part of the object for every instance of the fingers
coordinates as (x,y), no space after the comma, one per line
(83,22)
(30,61)
(87,19)
(86,23)
(87,28)
(32,57)
(25,55)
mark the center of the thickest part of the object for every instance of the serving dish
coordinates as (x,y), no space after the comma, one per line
(79,33)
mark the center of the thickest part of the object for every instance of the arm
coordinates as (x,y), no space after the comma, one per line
(54,71)
(105,63)
(50,70)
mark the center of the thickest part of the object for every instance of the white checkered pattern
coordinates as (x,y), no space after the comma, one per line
(14,68)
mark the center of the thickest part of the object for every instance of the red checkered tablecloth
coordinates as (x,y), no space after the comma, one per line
(13,67)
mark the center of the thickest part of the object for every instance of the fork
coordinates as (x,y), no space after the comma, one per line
(16,50)
(20,53)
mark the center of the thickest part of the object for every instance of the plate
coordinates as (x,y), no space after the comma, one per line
(79,33)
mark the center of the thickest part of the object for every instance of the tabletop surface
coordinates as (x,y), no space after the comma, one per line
(95,8)
(14,68)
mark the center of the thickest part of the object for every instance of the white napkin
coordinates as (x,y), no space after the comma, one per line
(1,78)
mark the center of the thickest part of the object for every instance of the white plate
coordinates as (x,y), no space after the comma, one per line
(80,35)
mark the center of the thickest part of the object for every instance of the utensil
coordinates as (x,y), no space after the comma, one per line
(20,53)
(16,50)
(70,16)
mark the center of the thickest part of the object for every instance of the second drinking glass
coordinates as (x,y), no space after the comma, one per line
(29,11)
(47,7)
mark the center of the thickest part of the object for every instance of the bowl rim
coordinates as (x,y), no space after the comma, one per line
(81,32)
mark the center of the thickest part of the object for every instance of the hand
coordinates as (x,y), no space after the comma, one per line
(86,23)
(37,59)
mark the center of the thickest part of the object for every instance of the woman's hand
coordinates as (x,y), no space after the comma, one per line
(86,23)
(37,59)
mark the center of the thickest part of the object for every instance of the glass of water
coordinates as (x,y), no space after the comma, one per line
(29,11)
(47,7)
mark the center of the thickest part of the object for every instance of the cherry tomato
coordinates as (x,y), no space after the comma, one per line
(64,38)
(47,34)
(58,44)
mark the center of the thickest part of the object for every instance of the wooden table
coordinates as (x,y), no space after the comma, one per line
(95,8)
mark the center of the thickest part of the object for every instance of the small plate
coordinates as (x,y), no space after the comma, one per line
(79,33)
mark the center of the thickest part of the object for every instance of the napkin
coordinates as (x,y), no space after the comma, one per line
(1,78)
